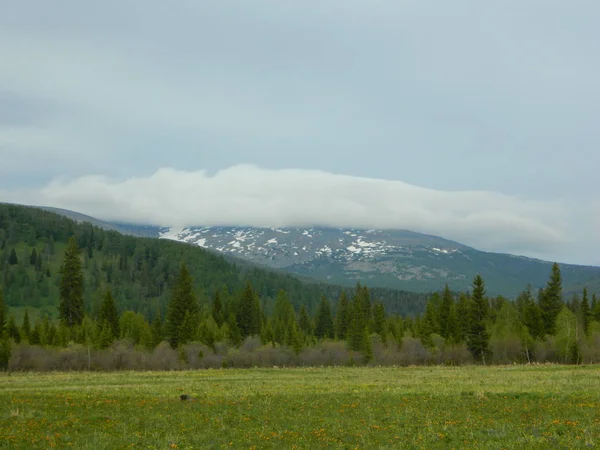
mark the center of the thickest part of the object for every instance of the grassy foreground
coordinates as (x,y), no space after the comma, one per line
(424,407)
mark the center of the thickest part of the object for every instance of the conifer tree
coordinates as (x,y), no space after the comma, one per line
(448,323)
(5,352)
(361,318)
(595,308)
(379,323)
(106,336)
(342,317)
(71,309)
(324,320)
(249,314)
(586,313)
(33,257)
(157,330)
(304,321)
(478,336)
(26,326)
(12,259)
(217,309)
(2,314)
(551,301)
(187,329)
(235,335)
(35,335)
(108,313)
(12,329)
(182,301)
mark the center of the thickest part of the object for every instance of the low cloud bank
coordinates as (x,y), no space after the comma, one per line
(249,195)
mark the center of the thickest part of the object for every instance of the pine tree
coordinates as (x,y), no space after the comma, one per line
(35,335)
(379,324)
(361,318)
(12,259)
(182,301)
(71,309)
(235,335)
(343,317)
(478,337)
(5,352)
(463,311)
(108,313)
(586,313)
(551,301)
(217,310)
(187,329)
(249,314)
(2,314)
(595,308)
(106,336)
(447,317)
(324,320)
(26,326)
(304,321)
(157,330)
(12,330)
(33,257)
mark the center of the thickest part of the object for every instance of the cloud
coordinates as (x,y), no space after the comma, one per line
(250,195)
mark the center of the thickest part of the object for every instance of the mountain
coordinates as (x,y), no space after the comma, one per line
(396,259)
(140,271)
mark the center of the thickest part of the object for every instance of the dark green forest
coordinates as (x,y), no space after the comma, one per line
(82,290)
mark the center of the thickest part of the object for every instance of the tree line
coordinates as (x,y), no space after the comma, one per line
(454,327)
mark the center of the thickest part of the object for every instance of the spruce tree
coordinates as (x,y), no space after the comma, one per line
(108,313)
(463,311)
(217,309)
(187,329)
(71,309)
(26,326)
(478,336)
(379,324)
(33,257)
(182,301)
(12,259)
(2,314)
(342,317)
(249,314)
(12,330)
(324,320)
(586,313)
(595,308)
(157,330)
(551,301)
(304,321)
(448,324)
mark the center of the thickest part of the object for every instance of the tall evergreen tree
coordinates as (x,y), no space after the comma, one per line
(182,301)
(361,318)
(379,321)
(157,330)
(217,309)
(12,329)
(108,313)
(2,314)
(26,326)
(342,317)
(447,317)
(586,313)
(324,320)
(551,301)
(12,259)
(33,257)
(249,314)
(463,312)
(595,308)
(478,337)
(304,321)
(71,308)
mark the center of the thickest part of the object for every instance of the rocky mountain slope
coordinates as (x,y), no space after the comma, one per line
(387,258)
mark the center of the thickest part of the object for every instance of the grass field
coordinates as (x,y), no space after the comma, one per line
(425,407)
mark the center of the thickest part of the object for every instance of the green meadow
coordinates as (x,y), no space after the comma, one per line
(545,406)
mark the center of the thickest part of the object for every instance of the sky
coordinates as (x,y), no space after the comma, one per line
(474,121)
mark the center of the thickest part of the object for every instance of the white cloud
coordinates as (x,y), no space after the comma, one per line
(249,195)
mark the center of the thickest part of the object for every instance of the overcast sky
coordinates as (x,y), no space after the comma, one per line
(475,121)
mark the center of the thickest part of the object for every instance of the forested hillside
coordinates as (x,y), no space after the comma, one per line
(139,271)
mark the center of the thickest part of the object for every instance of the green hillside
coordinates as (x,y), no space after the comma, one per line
(139,271)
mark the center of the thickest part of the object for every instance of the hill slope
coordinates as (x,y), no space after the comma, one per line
(388,258)
(139,271)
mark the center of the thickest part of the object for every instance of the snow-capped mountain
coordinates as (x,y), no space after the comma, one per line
(387,258)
